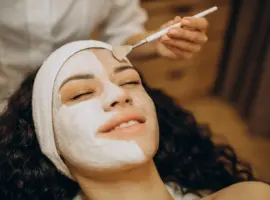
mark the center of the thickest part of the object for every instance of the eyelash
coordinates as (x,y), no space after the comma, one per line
(90,93)
(131,83)
(81,95)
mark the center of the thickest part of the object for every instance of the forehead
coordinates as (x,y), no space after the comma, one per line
(108,60)
(99,62)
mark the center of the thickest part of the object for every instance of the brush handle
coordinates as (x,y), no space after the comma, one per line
(164,31)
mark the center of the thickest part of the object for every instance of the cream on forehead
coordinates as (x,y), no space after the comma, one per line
(121,52)
(83,62)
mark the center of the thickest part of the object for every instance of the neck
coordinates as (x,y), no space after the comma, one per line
(142,183)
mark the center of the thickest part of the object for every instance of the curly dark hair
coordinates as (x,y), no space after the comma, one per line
(186,154)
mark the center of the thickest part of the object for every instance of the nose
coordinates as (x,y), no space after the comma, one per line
(116,97)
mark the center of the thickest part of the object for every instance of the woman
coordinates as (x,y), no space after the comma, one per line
(30,31)
(86,127)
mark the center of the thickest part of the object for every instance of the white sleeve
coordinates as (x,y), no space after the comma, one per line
(126,18)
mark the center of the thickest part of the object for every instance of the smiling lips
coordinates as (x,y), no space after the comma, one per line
(125,122)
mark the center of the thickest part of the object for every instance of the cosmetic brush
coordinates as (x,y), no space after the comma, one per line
(120,52)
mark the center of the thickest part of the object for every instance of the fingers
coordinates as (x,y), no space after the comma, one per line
(200,24)
(179,53)
(197,23)
(188,35)
(183,42)
(183,45)
(177,19)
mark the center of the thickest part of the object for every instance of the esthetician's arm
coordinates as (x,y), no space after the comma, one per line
(243,191)
(125,25)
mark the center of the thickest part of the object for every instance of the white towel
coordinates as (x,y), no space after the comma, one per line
(43,97)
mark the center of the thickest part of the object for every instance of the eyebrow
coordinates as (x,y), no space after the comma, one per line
(91,76)
(76,77)
(123,68)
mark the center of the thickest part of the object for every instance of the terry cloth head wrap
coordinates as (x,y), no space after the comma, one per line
(43,97)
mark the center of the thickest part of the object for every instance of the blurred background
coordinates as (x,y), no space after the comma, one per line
(226,84)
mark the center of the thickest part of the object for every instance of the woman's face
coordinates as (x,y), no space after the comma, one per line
(103,118)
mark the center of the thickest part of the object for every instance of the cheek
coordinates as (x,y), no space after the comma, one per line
(78,118)
(78,123)
(148,142)
(75,130)
(143,100)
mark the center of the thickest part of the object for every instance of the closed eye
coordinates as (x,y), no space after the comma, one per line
(131,83)
(82,95)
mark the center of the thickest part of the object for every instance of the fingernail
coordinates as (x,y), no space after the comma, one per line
(173,31)
(171,22)
(177,18)
(165,38)
(185,22)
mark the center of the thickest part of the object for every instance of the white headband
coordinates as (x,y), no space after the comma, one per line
(43,95)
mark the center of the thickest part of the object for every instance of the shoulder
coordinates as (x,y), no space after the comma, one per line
(253,189)
(243,190)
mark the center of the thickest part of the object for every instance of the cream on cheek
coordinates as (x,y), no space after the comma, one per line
(76,128)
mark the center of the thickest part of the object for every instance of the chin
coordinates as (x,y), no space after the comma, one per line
(149,147)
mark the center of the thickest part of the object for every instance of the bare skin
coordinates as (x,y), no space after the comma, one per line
(242,191)
(139,181)
(179,43)
(135,181)
(142,183)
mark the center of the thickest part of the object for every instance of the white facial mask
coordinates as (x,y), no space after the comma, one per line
(76,125)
